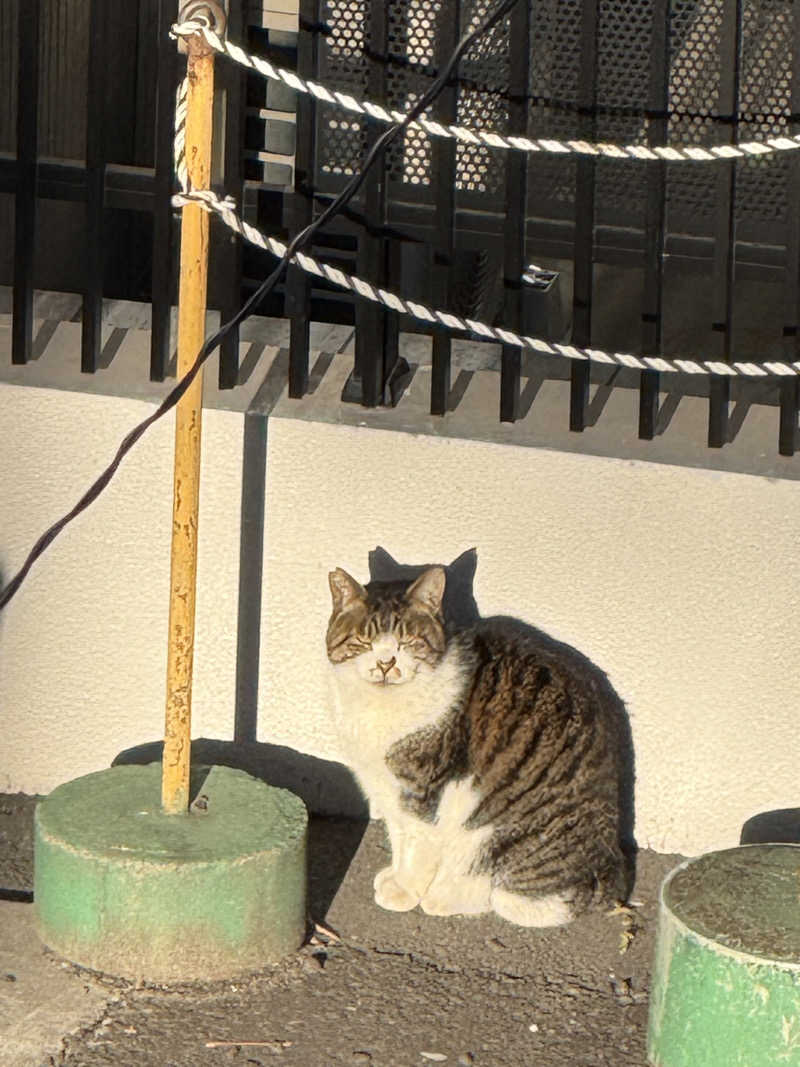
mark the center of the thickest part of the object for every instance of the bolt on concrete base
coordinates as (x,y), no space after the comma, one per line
(726,979)
(122,888)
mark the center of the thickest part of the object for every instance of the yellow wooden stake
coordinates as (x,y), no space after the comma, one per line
(191,335)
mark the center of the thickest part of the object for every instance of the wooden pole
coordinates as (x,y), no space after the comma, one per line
(191,335)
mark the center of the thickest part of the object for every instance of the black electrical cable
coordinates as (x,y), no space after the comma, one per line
(298,241)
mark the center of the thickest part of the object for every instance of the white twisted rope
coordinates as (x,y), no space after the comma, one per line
(179,154)
(209,201)
(489,138)
(225,208)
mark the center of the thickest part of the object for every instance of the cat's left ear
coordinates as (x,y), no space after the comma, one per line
(429,589)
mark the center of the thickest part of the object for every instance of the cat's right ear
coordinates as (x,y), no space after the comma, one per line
(345,590)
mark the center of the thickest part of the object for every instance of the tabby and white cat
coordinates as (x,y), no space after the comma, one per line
(496,756)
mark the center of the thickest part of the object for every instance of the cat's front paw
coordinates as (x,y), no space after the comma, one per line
(390,894)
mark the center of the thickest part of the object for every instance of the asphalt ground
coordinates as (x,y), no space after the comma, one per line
(369,987)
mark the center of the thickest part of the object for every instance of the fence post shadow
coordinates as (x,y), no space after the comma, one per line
(43,337)
(667,410)
(602,394)
(530,392)
(251,548)
(251,540)
(110,347)
(459,388)
(750,394)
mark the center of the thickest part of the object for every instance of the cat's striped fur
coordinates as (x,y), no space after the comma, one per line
(496,756)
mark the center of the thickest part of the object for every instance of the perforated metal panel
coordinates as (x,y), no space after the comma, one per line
(414,31)
(343,63)
(765,106)
(694,66)
(554,72)
(696,69)
(622,69)
(623,74)
(412,50)
(482,103)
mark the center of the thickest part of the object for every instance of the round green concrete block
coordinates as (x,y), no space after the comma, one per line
(726,980)
(124,889)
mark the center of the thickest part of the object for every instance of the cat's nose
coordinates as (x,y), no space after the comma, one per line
(387,664)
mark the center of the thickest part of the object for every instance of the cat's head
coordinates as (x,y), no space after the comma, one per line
(387,632)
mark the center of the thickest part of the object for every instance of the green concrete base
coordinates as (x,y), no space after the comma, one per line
(126,890)
(726,980)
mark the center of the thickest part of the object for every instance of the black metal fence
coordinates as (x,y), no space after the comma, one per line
(87,148)
(449,223)
(647,71)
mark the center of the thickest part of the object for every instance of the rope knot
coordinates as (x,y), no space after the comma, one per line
(207,199)
(205,18)
(189,28)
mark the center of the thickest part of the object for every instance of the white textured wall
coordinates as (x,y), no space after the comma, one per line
(682,584)
(82,644)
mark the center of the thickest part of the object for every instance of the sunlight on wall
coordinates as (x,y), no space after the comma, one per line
(680,583)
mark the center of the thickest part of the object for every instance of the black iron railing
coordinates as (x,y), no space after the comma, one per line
(689,71)
(454,224)
(102,186)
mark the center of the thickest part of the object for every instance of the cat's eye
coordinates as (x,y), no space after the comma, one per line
(416,644)
(358,646)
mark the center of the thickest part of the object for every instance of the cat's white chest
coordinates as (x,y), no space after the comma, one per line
(370,718)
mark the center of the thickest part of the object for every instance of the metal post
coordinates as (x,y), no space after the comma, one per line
(92,318)
(730,50)
(583,245)
(228,256)
(191,334)
(655,219)
(301,202)
(789,388)
(162,288)
(443,180)
(516,211)
(26,188)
